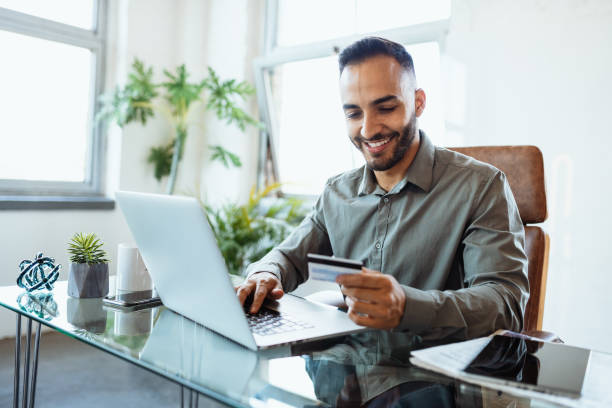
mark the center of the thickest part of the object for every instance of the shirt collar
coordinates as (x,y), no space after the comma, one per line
(420,172)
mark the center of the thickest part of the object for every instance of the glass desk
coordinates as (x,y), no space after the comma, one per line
(369,368)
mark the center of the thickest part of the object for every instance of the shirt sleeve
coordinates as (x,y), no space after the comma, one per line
(495,275)
(288,260)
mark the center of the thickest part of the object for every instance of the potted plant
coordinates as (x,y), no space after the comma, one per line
(88,270)
(245,233)
(141,98)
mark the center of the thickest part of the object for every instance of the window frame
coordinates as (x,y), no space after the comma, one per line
(33,194)
(267,168)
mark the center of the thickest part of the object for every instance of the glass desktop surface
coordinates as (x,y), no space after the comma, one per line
(367,368)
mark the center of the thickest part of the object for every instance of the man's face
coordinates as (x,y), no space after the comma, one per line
(378,98)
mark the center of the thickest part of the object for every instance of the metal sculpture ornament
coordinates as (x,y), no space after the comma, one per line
(41,273)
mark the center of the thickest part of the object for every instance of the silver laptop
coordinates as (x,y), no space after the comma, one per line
(190,275)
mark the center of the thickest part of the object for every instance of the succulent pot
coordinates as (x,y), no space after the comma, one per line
(88,281)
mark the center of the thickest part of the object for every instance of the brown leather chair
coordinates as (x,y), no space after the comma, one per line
(524,168)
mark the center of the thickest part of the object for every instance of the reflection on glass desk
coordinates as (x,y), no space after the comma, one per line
(534,365)
(369,368)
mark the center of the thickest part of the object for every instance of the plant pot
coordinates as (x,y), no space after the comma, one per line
(88,281)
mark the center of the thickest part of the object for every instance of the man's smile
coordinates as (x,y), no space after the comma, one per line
(378,145)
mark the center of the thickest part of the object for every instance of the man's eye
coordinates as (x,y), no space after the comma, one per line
(387,109)
(352,115)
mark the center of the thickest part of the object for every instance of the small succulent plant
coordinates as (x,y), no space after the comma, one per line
(86,248)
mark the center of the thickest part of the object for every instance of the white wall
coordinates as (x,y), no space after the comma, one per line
(237,29)
(538,72)
(164,34)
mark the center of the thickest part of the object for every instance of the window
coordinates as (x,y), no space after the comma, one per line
(51,76)
(305,141)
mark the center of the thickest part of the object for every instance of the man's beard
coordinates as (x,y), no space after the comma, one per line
(405,140)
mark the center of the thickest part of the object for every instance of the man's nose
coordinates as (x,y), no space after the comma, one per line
(369,127)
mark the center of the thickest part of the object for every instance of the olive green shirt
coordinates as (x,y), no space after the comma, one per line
(449,232)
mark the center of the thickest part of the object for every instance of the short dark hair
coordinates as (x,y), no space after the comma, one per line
(369,47)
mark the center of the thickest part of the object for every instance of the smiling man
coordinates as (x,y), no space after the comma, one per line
(439,233)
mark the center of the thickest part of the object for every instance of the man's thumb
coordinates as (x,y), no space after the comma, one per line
(276,293)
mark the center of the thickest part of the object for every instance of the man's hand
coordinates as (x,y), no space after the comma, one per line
(261,285)
(374,299)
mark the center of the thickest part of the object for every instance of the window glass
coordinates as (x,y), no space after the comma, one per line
(46,102)
(426,57)
(312,143)
(301,22)
(376,15)
(79,13)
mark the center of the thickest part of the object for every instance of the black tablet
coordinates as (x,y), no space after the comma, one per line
(547,367)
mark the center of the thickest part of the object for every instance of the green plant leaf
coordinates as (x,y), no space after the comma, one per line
(161,159)
(86,248)
(222,100)
(224,156)
(133,101)
(247,232)
(180,93)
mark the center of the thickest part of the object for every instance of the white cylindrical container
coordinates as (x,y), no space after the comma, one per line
(132,275)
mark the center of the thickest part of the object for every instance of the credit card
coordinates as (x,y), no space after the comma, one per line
(327,268)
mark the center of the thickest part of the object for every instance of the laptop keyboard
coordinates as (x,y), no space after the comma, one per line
(267,322)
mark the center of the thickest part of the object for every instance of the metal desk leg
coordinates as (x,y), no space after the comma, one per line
(193,400)
(29,380)
(26,367)
(35,367)
(17,373)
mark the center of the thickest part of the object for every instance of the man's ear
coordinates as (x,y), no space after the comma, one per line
(420,100)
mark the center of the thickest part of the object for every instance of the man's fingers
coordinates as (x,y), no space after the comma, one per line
(370,309)
(275,289)
(364,320)
(267,287)
(276,293)
(363,280)
(260,294)
(374,299)
(370,295)
(244,290)
(261,284)
(367,320)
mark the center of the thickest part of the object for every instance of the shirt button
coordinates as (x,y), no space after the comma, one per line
(386,199)
(378,245)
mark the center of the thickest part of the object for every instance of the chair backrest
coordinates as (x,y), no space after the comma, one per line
(524,168)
